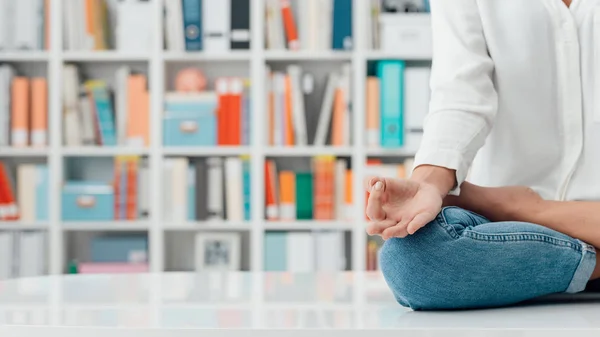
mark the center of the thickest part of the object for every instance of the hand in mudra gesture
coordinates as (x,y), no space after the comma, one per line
(400,207)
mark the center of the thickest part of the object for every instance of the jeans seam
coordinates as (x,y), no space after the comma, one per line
(441,220)
(514,237)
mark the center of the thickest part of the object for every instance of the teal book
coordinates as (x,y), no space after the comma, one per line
(391,76)
(275,251)
(342,25)
(246,178)
(304,196)
(191,193)
(41,193)
(104,112)
(192,22)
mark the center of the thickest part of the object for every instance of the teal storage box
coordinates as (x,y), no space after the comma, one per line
(88,201)
(183,129)
(119,249)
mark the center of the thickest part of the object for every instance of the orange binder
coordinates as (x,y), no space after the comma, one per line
(348,198)
(131,188)
(289,113)
(337,125)
(373,109)
(287,185)
(291,32)
(234,131)
(117,186)
(20,112)
(270,193)
(39,112)
(222,88)
(138,111)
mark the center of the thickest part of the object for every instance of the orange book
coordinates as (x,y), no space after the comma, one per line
(349,184)
(337,124)
(291,32)
(131,197)
(235,112)
(222,88)
(20,112)
(47,26)
(287,185)
(138,111)
(330,190)
(10,211)
(270,192)
(324,198)
(117,186)
(289,118)
(373,108)
(90,25)
(39,112)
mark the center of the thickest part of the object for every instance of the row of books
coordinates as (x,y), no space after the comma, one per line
(208,118)
(101,25)
(24,25)
(22,254)
(304,252)
(23,109)
(397,103)
(207,25)
(26,197)
(323,194)
(378,7)
(114,254)
(206,189)
(132,199)
(309,24)
(289,99)
(95,114)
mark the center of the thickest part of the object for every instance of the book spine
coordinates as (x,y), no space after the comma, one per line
(104,113)
(234,189)
(240,24)
(132,188)
(289,24)
(247,188)
(391,75)
(234,136)
(272,208)
(39,112)
(287,184)
(246,118)
(216,25)
(191,193)
(201,190)
(288,117)
(42,193)
(298,110)
(222,88)
(192,23)
(342,25)
(373,109)
(20,112)
(215,189)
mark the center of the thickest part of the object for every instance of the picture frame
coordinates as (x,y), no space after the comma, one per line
(218,252)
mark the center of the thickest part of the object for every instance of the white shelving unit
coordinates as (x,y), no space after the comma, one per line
(158,62)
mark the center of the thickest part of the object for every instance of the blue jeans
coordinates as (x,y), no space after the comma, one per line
(462,260)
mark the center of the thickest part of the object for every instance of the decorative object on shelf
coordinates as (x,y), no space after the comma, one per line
(218,251)
(190,80)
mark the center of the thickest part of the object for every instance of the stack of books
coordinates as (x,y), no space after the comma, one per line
(103,25)
(323,194)
(206,189)
(24,25)
(309,24)
(397,103)
(132,190)
(305,252)
(23,109)
(287,106)
(22,254)
(30,203)
(207,25)
(115,254)
(89,118)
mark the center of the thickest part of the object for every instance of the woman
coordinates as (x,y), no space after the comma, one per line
(516,83)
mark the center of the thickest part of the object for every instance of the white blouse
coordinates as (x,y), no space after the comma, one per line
(516,94)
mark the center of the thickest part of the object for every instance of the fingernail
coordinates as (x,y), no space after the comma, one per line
(378,186)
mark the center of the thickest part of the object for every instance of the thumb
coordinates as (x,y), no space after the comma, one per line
(375,210)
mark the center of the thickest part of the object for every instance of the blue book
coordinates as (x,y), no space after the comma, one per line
(246,120)
(391,76)
(115,249)
(41,193)
(192,24)
(191,193)
(246,178)
(426,6)
(342,25)
(104,112)
(275,251)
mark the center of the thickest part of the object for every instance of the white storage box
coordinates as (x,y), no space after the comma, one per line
(407,34)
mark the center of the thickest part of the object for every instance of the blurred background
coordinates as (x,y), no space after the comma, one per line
(192,135)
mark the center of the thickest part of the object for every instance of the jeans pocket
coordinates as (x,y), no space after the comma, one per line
(456,220)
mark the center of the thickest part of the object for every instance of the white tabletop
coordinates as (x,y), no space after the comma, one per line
(158,304)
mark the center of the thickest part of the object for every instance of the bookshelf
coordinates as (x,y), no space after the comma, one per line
(160,66)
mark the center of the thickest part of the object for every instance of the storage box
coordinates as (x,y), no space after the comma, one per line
(407,34)
(119,249)
(86,201)
(189,130)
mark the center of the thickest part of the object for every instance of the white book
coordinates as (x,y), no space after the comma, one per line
(26,190)
(303,23)
(85,40)
(312,25)
(346,86)
(325,21)
(330,248)
(215,189)
(326,110)
(71,133)
(234,189)
(167,190)
(275,31)
(26,266)
(174,26)
(340,188)
(24,28)
(6,255)
(279,95)
(144,190)
(86,118)
(37,18)
(121,103)
(416,103)
(216,26)
(6,24)
(179,189)
(300,252)
(133,31)
(6,76)
(298,111)
(67,24)
(268,92)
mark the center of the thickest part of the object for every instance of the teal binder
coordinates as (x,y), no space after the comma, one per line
(191,193)
(247,196)
(275,251)
(391,76)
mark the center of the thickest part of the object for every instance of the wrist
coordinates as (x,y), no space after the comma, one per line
(443,179)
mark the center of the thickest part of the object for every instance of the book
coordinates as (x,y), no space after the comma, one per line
(201,189)
(42,190)
(304,196)
(191,193)
(174,25)
(234,118)
(247,188)
(123,102)
(39,112)
(416,103)
(234,189)
(271,187)
(323,126)
(274,25)
(216,26)
(300,252)
(26,189)
(287,185)
(289,25)
(9,209)
(240,24)
(215,189)
(104,113)
(340,188)
(288,116)
(194,19)
(342,25)
(137,126)
(391,75)
(6,76)
(72,133)
(275,246)
(133,29)
(298,111)
(20,112)
(373,108)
